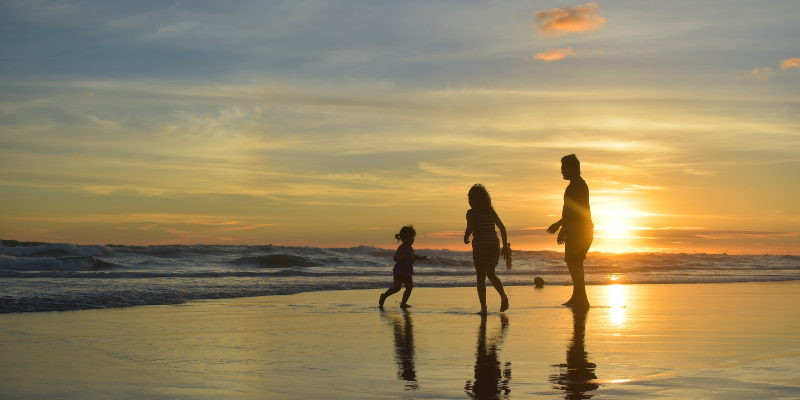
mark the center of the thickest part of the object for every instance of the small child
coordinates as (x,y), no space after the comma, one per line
(404,266)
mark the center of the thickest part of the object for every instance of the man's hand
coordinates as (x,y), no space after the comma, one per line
(553,228)
(562,236)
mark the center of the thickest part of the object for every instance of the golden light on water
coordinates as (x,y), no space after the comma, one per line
(616,301)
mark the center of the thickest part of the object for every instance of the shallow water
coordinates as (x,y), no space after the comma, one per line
(708,341)
(53,277)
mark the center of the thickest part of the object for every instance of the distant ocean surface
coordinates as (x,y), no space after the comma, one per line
(54,277)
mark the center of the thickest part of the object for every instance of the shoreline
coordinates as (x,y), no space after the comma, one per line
(6,304)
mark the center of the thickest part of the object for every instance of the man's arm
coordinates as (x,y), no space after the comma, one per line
(555,227)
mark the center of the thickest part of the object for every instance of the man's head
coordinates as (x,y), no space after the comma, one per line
(570,167)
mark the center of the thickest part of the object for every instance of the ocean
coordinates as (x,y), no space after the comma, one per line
(58,277)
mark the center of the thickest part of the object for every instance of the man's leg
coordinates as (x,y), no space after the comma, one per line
(579,298)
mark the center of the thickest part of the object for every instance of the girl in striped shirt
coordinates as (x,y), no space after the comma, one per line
(481,220)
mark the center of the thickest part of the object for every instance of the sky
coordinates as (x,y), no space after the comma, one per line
(334,123)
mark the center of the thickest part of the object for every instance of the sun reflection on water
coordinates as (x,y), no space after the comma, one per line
(616,301)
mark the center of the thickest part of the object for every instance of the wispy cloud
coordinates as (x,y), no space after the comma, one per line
(445,234)
(756,74)
(562,21)
(790,63)
(555,55)
(705,233)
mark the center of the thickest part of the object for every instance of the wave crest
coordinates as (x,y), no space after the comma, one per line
(276,261)
(57,249)
(85,263)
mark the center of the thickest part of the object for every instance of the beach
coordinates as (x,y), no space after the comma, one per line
(725,340)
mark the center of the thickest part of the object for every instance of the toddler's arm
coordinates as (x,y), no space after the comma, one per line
(400,254)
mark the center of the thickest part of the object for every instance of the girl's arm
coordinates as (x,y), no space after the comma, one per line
(503,233)
(468,231)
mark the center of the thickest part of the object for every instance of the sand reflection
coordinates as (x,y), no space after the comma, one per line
(491,377)
(404,348)
(576,375)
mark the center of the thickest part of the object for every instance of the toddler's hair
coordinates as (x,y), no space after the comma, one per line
(406,232)
(571,161)
(479,197)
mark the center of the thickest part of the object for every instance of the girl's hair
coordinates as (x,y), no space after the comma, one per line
(479,197)
(406,232)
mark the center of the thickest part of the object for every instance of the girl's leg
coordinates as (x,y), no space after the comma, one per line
(409,286)
(481,272)
(398,282)
(499,287)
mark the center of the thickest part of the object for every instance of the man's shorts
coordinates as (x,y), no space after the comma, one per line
(577,245)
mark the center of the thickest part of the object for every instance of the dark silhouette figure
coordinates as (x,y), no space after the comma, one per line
(491,377)
(481,220)
(404,266)
(404,348)
(576,375)
(577,229)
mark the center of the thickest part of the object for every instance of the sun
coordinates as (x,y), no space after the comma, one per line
(616,228)
(617,224)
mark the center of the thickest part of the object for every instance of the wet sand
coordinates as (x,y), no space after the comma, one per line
(710,341)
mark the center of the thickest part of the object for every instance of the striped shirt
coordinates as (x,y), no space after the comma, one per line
(483,232)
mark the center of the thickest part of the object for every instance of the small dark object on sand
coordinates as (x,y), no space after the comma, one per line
(539,282)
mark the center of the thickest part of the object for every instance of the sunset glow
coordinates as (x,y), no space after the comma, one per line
(335,125)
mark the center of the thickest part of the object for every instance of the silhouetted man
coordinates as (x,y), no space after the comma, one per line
(577,229)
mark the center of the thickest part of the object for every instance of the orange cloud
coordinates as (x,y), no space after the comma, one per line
(756,74)
(561,21)
(790,63)
(555,55)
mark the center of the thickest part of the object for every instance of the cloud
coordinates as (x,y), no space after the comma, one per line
(445,234)
(555,55)
(790,63)
(704,233)
(562,21)
(756,74)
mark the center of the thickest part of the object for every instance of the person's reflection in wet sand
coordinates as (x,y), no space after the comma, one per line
(575,377)
(491,377)
(404,348)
